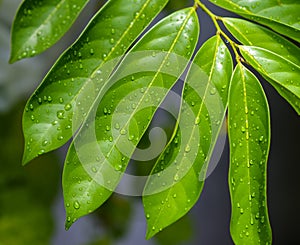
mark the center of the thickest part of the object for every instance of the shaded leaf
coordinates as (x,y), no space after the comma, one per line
(101,151)
(279,15)
(178,176)
(249,138)
(56,109)
(39,25)
(283,74)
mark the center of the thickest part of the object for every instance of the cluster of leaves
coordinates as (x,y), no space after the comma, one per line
(64,103)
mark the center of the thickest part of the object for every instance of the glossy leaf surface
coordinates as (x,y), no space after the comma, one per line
(281,16)
(251,34)
(40,24)
(249,138)
(283,74)
(178,176)
(58,107)
(101,151)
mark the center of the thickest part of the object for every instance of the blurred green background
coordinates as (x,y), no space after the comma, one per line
(31,203)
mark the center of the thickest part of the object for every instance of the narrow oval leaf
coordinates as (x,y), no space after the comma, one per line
(39,25)
(251,34)
(249,138)
(283,74)
(101,151)
(280,15)
(78,75)
(177,179)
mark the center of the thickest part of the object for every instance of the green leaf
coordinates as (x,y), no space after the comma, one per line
(251,34)
(178,176)
(280,15)
(249,138)
(101,150)
(39,25)
(58,107)
(283,74)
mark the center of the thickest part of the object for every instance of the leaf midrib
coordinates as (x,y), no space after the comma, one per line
(247,135)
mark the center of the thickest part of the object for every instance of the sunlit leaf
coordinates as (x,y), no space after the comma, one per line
(101,151)
(283,74)
(249,137)
(39,25)
(69,89)
(178,176)
(251,34)
(280,15)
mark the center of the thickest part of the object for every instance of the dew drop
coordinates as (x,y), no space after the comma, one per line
(76,205)
(187,149)
(213,91)
(60,137)
(60,114)
(68,107)
(61,100)
(123,131)
(197,120)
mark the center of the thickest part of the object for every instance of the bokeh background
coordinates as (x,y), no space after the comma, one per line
(31,202)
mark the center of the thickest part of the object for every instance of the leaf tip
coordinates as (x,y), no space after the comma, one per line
(151,231)
(27,157)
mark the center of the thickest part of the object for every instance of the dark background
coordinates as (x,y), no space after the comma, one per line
(31,204)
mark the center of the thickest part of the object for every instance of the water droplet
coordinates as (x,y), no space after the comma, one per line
(61,100)
(76,205)
(105,111)
(123,131)
(68,107)
(112,41)
(60,137)
(176,177)
(148,216)
(45,142)
(49,98)
(60,114)
(118,167)
(187,149)
(197,120)
(213,91)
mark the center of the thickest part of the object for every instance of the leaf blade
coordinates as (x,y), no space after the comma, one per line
(249,138)
(281,16)
(49,122)
(251,34)
(278,71)
(169,194)
(38,26)
(172,36)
